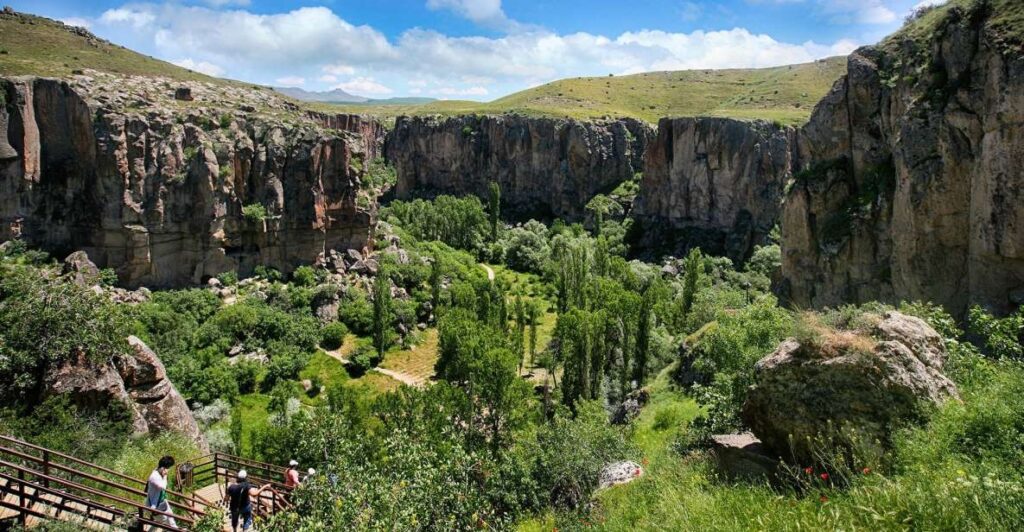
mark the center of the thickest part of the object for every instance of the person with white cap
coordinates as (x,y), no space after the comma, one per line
(240,496)
(291,475)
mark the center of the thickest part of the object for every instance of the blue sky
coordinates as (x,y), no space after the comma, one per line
(474,49)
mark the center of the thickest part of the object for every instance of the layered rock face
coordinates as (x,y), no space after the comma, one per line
(137,381)
(913,181)
(713,183)
(850,387)
(156,190)
(544,167)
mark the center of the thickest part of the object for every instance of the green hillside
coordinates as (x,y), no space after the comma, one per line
(786,94)
(38,46)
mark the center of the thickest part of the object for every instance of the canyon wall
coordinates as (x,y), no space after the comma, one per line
(913,171)
(545,167)
(155,189)
(713,183)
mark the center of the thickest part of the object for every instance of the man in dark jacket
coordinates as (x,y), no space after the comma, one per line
(240,495)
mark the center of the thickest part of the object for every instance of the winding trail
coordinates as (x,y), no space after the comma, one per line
(403,378)
(490,271)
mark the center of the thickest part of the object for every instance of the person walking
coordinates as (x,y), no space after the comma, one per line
(291,475)
(240,495)
(156,490)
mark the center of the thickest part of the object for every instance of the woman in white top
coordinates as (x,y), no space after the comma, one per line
(156,489)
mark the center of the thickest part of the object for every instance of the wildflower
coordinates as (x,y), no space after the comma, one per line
(637,472)
(645,462)
(866,470)
(823,499)
(808,470)
(824,476)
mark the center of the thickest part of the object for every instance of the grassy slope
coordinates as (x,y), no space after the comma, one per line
(786,94)
(31,45)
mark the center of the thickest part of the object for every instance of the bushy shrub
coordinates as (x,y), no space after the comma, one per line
(228,278)
(356,312)
(363,359)
(266,272)
(254,212)
(526,247)
(304,276)
(333,335)
(999,337)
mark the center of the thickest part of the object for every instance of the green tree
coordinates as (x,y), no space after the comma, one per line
(600,206)
(383,314)
(692,266)
(436,275)
(533,312)
(493,207)
(519,315)
(644,326)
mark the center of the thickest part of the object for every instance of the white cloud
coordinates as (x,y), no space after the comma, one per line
(316,44)
(204,67)
(690,11)
(471,91)
(846,11)
(137,19)
(76,21)
(364,86)
(484,12)
(928,3)
(290,81)
(226,3)
(338,70)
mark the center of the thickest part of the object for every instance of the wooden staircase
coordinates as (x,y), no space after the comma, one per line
(38,484)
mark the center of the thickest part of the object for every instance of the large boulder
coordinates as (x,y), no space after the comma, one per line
(136,380)
(851,386)
(742,456)
(82,270)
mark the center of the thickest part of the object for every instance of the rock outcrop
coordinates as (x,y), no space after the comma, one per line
(545,167)
(913,170)
(137,380)
(806,392)
(169,193)
(713,183)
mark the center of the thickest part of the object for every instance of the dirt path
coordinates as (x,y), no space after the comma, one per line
(404,378)
(490,271)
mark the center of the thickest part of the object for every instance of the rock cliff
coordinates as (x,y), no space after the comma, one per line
(150,178)
(545,167)
(713,183)
(137,380)
(913,169)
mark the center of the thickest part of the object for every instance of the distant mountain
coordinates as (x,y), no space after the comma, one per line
(331,96)
(401,100)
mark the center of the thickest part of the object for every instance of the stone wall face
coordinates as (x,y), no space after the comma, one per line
(713,183)
(545,167)
(913,186)
(160,199)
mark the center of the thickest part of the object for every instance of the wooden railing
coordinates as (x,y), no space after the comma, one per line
(36,476)
(221,468)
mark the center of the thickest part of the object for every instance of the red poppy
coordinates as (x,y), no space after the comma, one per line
(867,470)
(808,470)
(824,476)
(823,498)
(637,472)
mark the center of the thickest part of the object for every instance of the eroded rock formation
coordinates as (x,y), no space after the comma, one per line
(862,383)
(544,166)
(913,181)
(157,191)
(713,183)
(137,380)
